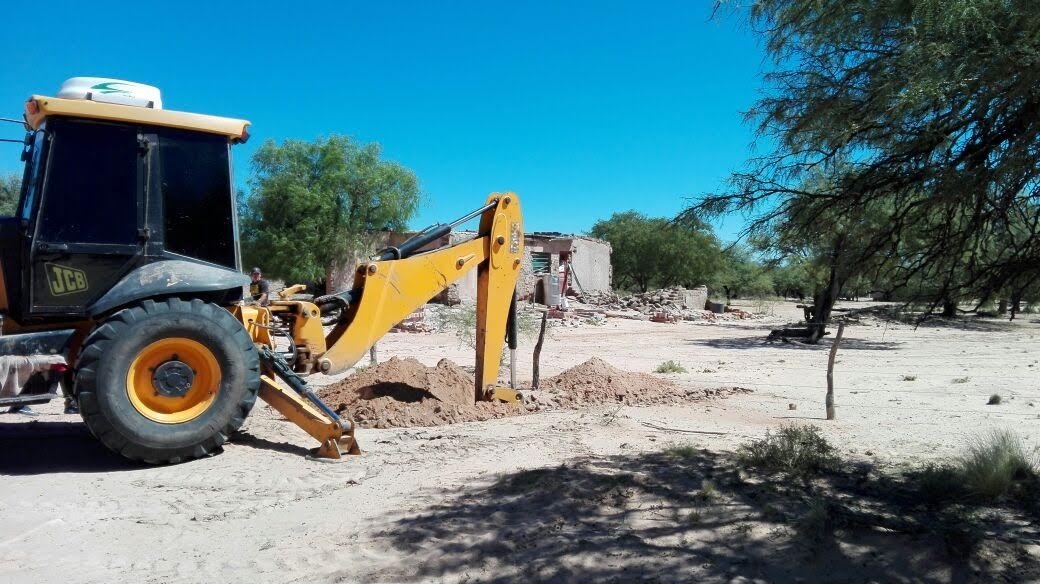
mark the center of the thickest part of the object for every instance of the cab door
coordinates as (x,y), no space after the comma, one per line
(89,228)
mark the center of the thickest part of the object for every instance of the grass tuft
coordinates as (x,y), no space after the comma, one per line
(994,464)
(994,400)
(670,367)
(909,378)
(682,452)
(817,522)
(962,380)
(793,450)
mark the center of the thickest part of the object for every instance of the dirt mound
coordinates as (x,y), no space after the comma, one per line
(404,392)
(596,381)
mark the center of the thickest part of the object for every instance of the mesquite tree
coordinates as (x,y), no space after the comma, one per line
(315,206)
(922,113)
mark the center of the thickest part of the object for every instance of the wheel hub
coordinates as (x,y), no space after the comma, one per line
(173,378)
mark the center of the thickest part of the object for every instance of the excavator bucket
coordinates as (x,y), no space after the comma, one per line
(336,440)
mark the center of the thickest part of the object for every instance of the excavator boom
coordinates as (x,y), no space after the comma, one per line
(385,291)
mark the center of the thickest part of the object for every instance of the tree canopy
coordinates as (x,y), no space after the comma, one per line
(10,190)
(315,205)
(656,252)
(924,118)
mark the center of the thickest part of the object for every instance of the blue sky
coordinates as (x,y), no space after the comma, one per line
(583,108)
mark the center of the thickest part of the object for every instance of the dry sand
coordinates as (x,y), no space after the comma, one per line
(561,494)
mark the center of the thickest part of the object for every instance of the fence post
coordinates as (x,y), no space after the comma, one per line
(830,371)
(538,351)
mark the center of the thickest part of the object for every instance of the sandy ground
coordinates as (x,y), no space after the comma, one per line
(557,495)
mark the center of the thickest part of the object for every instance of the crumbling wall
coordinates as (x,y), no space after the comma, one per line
(590,259)
(526,281)
(695,298)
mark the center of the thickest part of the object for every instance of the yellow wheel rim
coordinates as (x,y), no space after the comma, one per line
(173,380)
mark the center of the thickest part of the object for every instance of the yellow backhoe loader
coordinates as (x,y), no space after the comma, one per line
(123,258)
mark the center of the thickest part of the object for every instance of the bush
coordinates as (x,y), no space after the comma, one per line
(793,450)
(994,400)
(766,305)
(994,464)
(462,320)
(670,367)
(937,484)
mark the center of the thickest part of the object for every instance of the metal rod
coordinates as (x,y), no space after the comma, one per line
(479,211)
(13,121)
(281,369)
(14,141)
(512,368)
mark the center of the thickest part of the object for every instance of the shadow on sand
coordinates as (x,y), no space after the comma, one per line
(760,342)
(691,515)
(40,447)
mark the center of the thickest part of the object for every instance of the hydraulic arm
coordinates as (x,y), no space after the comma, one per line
(385,291)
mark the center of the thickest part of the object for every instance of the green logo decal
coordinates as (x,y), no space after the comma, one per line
(109,87)
(63,280)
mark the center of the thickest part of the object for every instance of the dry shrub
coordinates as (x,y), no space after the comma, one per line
(793,450)
(670,367)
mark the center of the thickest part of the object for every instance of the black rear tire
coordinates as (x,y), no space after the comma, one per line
(103,388)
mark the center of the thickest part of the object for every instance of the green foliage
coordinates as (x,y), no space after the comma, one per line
(740,276)
(316,205)
(795,278)
(655,252)
(905,139)
(670,367)
(793,450)
(462,320)
(10,191)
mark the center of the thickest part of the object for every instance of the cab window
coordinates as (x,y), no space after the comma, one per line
(90,194)
(198,216)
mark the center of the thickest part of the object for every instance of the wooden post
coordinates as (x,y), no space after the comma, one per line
(830,371)
(538,350)
(372,360)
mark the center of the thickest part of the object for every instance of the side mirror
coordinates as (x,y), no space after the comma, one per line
(27,149)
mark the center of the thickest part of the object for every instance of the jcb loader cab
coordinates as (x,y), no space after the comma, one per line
(123,259)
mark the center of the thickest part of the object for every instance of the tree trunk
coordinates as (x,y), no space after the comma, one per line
(823,303)
(1002,306)
(949,308)
(824,300)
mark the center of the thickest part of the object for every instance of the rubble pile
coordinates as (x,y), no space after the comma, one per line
(667,305)
(415,322)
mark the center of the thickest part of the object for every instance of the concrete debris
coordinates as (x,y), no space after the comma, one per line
(667,305)
(415,322)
